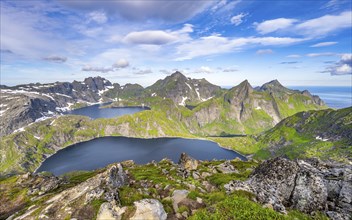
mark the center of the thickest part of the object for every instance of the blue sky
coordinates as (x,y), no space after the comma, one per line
(226,42)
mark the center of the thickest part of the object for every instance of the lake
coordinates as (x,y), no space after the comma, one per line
(100,152)
(95,111)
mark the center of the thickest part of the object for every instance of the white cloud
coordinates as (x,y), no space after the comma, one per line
(98,17)
(158,37)
(264,51)
(342,67)
(217,44)
(326,54)
(238,19)
(143,71)
(204,69)
(139,10)
(325,24)
(121,63)
(316,27)
(274,25)
(149,37)
(27,33)
(56,59)
(97,69)
(229,70)
(324,44)
(293,56)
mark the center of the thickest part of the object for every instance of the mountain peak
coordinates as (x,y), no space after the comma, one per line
(274,85)
(177,74)
(245,84)
(242,89)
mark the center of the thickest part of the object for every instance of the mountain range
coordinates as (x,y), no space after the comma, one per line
(275,123)
(212,110)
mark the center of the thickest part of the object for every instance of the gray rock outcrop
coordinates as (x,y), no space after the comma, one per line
(308,186)
(150,209)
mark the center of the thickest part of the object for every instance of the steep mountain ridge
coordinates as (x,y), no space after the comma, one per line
(25,104)
(183,90)
(240,110)
(245,110)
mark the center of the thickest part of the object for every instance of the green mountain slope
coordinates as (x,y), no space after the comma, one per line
(326,134)
(183,90)
(25,150)
(244,110)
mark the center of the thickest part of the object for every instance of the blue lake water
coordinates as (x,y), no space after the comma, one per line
(100,152)
(95,111)
(333,96)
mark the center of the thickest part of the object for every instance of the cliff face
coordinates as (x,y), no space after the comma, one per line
(244,110)
(25,104)
(240,110)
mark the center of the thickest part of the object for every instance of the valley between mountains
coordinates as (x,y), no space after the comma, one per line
(262,123)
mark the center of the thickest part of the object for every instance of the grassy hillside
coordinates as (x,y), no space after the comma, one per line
(76,194)
(326,134)
(24,151)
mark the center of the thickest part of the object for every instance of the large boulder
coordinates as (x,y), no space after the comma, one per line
(308,186)
(177,197)
(116,177)
(107,211)
(226,167)
(188,163)
(150,209)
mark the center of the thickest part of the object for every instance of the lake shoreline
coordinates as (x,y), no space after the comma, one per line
(240,156)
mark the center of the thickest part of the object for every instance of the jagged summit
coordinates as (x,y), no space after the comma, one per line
(183,90)
(245,84)
(274,86)
(177,74)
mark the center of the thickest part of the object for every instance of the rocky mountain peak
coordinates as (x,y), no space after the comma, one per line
(97,83)
(177,75)
(274,86)
(244,88)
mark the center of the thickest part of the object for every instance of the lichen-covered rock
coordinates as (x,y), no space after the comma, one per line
(177,197)
(116,176)
(308,186)
(107,211)
(226,167)
(310,192)
(188,162)
(150,209)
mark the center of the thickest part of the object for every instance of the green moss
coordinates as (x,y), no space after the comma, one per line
(128,195)
(193,195)
(167,204)
(239,207)
(182,209)
(96,203)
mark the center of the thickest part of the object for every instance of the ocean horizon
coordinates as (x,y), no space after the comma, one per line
(334,96)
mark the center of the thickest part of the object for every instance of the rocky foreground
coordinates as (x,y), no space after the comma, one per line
(275,189)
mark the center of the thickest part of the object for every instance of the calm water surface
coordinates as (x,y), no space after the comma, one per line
(95,111)
(100,152)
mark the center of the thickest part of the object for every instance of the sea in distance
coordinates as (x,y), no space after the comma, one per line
(333,96)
